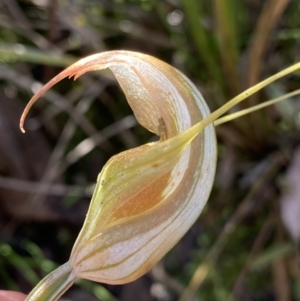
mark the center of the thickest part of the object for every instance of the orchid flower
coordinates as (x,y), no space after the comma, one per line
(148,197)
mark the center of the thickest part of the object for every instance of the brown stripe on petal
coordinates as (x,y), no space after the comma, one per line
(142,202)
(102,271)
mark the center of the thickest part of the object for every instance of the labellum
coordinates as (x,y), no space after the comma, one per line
(145,198)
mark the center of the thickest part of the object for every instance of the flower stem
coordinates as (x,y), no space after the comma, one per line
(53,285)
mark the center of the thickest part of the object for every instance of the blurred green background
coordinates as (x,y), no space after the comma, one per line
(245,244)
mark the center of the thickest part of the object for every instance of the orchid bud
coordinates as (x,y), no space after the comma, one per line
(145,198)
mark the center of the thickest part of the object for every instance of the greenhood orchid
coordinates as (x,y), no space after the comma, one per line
(145,198)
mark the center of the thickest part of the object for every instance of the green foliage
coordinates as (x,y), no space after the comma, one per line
(215,44)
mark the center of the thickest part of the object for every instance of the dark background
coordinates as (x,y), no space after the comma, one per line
(246,238)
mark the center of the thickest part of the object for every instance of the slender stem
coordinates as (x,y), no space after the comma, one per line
(225,31)
(12,52)
(198,127)
(203,42)
(53,285)
(238,114)
(193,131)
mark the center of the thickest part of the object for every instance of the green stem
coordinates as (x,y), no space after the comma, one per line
(53,285)
(239,98)
(18,52)
(203,42)
(270,102)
